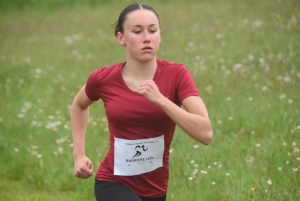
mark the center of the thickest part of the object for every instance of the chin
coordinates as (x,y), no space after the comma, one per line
(146,58)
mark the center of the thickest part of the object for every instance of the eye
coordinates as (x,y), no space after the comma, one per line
(137,32)
(152,31)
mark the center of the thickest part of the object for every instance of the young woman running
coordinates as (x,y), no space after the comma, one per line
(142,99)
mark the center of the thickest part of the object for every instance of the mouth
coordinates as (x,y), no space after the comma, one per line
(147,48)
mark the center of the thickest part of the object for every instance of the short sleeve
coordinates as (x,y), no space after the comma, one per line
(91,87)
(185,84)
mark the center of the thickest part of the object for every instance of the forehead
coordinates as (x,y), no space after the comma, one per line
(141,17)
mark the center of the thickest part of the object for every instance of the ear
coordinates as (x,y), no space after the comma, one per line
(120,38)
(160,36)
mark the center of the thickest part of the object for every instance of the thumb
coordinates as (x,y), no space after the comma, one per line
(89,164)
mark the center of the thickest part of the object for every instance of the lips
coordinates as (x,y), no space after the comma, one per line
(147,48)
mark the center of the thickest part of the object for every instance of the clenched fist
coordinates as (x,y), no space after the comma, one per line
(150,91)
(83,167)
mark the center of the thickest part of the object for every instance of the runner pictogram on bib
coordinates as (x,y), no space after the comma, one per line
(134,157)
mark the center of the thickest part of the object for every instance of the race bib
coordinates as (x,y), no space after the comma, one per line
(134,157)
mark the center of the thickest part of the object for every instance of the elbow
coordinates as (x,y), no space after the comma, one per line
(201,133)
(207,138)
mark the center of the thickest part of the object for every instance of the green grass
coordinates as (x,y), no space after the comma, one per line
(243,55)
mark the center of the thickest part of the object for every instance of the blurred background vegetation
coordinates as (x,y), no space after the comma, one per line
(244,57)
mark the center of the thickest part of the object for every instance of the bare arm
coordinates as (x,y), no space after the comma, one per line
(194,120)
(79,120)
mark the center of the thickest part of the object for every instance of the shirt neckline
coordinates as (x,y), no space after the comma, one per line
(125,85)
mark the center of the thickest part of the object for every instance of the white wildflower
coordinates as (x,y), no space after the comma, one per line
(250,57)
(264,88)
(261,60)
(60,150)
(21,116)
(50,117)
(257,24)
(195,146)
(287,79)
(237,66)
(250,159)
(282,96)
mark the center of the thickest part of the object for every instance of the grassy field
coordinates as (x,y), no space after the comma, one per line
(243,55)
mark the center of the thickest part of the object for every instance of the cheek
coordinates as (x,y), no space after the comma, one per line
(132,40)
(156,38)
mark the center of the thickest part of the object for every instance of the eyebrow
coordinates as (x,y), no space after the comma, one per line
(151,25)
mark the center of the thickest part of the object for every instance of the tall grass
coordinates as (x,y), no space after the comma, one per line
(243,55)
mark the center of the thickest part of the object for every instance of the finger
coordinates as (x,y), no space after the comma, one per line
(79,175)
(146,83)
(83,175)
(142,92)
(84,172)
(142,85)
(87,172)
(91,169)
(89,165)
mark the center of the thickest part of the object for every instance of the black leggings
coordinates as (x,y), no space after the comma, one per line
(114,191)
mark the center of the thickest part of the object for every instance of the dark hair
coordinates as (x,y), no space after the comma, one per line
(123,15)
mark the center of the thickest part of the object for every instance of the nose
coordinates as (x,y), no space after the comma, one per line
(146,37)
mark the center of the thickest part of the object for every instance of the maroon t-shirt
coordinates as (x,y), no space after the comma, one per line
(131,116)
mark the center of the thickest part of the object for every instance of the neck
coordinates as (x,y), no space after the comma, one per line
(140,71)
